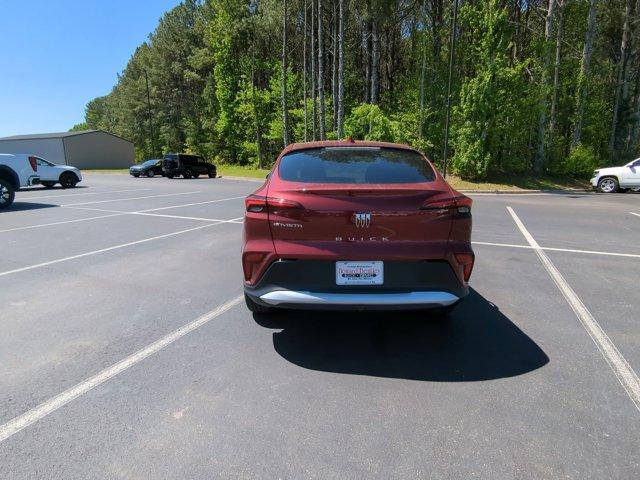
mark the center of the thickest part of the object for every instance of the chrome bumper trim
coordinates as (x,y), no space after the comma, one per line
(278,297)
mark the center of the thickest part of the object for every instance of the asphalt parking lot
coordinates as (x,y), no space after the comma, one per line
(127,352)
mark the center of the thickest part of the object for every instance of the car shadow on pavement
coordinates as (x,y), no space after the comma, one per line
(39,188)
(18,206)
(477,342)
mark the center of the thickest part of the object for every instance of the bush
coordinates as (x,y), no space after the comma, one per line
(368,122)
(581,162)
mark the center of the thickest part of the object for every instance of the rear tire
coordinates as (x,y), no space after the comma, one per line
(68,180)
(255,307)
(150,174)
(212,174)
(608,185)
(195,175)
(187,174)
(7,194)
(48,184)
(169,175)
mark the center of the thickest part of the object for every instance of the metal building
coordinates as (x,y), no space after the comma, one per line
(83,149)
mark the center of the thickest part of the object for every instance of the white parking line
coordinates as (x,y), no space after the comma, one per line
(61,223)
(510,245)
(125,199)
(636,214)
(118,213)
(18,198)
(190,204)
(145,213)
(93,209)
(530,194)
(233,220)
(570,250)
(621,368)
(18,423)
(108,249)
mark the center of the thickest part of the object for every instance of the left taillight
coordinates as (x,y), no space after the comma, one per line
(34,163)
(255,204)
(262,204)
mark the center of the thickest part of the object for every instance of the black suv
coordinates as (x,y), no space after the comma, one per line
(189,166)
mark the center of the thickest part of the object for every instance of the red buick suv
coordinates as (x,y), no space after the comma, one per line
(356,225)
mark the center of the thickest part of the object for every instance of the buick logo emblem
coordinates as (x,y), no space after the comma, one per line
(362,220)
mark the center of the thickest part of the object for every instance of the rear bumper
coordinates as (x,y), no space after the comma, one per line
(359,300)
(311,284)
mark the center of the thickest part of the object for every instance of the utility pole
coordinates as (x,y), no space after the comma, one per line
(452,49)
(153,148)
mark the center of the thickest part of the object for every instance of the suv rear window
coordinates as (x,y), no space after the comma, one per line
(359,165)
(190,160)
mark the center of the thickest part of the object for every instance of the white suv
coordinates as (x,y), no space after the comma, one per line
(609,180)
(16,171)
(50,174)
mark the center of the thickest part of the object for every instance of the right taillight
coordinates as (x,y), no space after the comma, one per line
(34,163)
(465,260)
(463,205)
(458,205)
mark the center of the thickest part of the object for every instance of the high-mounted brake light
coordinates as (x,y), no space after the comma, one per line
(34,163)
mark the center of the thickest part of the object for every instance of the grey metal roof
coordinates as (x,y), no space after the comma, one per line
(38,136)
(47,135)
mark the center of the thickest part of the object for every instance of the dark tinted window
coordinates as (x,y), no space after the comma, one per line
(361,165)
(190,160)
(149,163)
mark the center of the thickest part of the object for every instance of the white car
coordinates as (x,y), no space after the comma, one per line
(50,174)
(16,171)
(609,180)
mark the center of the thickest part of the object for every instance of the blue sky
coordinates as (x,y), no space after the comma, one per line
(56,55)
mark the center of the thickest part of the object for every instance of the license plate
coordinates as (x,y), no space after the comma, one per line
(359,273)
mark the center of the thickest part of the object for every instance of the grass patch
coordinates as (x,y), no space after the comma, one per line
(105,170)
(515,183)
(521,182)
(240,171)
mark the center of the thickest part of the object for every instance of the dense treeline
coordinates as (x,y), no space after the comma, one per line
(538,85)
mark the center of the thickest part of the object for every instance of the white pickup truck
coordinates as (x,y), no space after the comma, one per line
(16,171)
(610,180)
